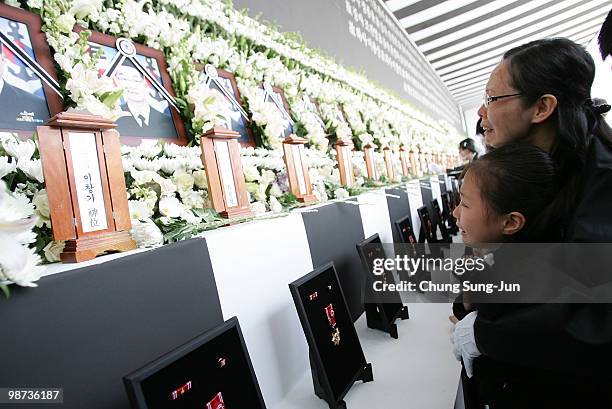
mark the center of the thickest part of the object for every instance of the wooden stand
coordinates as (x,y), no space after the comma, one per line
(226,185)
(297,169)
(81,160)
(413,162)
(344,154)
(368,153)
(388,155)
(404,162)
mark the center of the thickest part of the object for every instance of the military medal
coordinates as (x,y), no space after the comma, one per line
(216,402)
(331,318)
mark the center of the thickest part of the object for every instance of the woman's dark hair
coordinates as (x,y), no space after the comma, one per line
(560,67)
(467,144)
(605,37)
(518,177)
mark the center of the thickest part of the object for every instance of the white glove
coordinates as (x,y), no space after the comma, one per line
(464,342)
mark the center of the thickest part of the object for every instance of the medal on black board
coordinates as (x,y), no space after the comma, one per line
(216,402)
(331,318)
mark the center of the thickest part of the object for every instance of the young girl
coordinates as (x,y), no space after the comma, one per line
(504,198)
(503,195)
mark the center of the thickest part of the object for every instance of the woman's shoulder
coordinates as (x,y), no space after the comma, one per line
(592,220)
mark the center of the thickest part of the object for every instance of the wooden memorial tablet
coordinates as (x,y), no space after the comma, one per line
(368,153)
(388,155)
(344,154)
(404,162)
(297,169)
(81,160)
(226,184)
(413,162)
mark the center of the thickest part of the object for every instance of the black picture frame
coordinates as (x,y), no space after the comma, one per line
(225,83)
(411,246)
(334,368)
(427,232)
(226,336)
(440,221)
(31,67)
(166,124)
(448,208)
(277,96)
(382,313)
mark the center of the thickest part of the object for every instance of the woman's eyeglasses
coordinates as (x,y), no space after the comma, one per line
(487,99)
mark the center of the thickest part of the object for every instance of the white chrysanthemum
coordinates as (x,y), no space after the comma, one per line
(192,199)
(32,168)
(139,209)
(53,250)
(341,193)
(275,206)
(22,150)
(7,166)
(183,180)
(146,233)
(170,206)
(258,207)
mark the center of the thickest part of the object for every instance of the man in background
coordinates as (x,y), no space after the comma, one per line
(21,109)
(140,119)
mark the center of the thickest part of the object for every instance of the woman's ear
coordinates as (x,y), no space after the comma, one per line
(513,223)
(545,106)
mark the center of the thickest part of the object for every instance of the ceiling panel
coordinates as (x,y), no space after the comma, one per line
(465,39)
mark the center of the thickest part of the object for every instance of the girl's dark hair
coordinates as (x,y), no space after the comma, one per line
(605,37)
(560,67)
(467,144)
(518,177)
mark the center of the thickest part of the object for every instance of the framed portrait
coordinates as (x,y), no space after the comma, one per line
(310,104)
(29,91)
(212,371)
(277,97)
(148,105)
(224,82)
(405,230)
(337,358)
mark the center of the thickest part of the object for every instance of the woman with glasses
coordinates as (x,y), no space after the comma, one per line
(549,355)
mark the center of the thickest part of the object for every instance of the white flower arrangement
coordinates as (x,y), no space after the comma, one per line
(209,107)
(265,114)
(166,183)
(18,261)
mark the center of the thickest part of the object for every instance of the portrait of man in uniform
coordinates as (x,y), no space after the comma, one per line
(144,115)
(21,91)
(236,121)
(277,98)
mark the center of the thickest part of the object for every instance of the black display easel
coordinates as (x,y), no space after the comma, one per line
(380,315)
(448,208)
(376,318)
(353,363)
(440,222)
(429,236)
(364,375)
